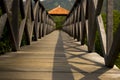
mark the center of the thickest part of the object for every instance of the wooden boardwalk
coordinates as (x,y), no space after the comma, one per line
(55,57)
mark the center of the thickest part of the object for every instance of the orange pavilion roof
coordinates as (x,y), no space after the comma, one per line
(58,11)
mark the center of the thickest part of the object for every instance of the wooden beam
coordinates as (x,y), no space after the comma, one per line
(3,20)
(114,51)
(36,16)
(83,21)
(15,21)
(102,33)
(109,24)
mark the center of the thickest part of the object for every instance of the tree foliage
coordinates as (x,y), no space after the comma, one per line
(59,21)
(5,45)
(116,19)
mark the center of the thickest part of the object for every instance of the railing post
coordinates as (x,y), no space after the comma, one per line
(3,18)
(109,24)
(83,21)
(36,16)
(40,18)
(43,26)
(70,20)
(92,26)
(109,33)
(78,23)
(45,18)
(74,16)
(15,23)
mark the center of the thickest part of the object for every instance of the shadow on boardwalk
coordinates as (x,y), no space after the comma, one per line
(80,65)
(57,56)
(61,68)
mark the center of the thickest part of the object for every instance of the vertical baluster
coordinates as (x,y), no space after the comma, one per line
(91,24)
(109,24)
(109,61)
(78,23)
(15,22)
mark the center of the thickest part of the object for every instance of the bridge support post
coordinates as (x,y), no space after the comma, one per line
(109,38)
(109,24)
(15,25)
(78,22)
(92,27)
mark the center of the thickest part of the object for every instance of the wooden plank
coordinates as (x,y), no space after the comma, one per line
(109,30)
(47,24)
(109,35)
(80,32)
(21,30)
(87,31)
(102,33)
(99,6)
(84,4)
(43,25)
(22,9)
(36,16)
(83,25)
(15,21)
(29,15)
(40,17)
(27,7)
(38,28)
(78,20)
(73,31)
(31,31)
(8,4)
(91,25)
(45,29)
(3,20)
(42,29)
(36,9)
(75,18)
(70,27)
(78,27)
(114,51)
(77,31)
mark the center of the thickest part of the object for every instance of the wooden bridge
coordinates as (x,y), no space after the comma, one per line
(58,55)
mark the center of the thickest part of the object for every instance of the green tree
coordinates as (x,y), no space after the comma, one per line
(59,21)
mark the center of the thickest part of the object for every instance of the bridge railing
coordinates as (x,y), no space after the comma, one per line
(27,16)
(85,20)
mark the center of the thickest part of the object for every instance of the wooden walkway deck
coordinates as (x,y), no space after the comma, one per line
(55,57)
